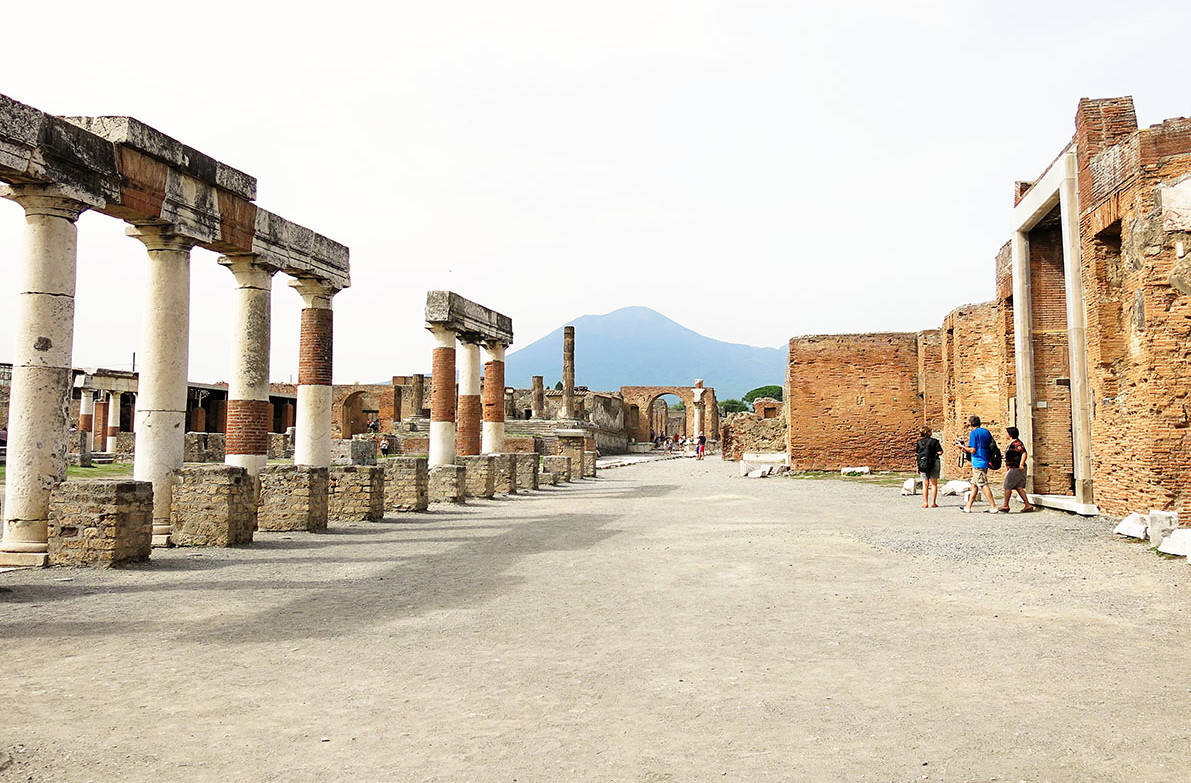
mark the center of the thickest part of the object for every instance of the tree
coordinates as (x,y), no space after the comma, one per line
(733,406)
(678,406)
(558,386)
(764,391)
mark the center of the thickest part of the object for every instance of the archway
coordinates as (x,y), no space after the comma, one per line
(667,416)
(359,409)
(643,397)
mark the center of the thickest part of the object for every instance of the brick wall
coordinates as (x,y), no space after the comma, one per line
(930,377)
(853,400)
(751,433)
(976,377)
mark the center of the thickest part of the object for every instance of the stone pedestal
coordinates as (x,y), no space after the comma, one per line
(589,464)
(527,470)
(293,497)
(446,484)
(407,483)
(478,479)
(100,523)
(356,493)
(356,451)
(504,473)
(559,465)
(572,443)
(212,505)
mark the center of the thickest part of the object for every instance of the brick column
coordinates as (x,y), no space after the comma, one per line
(568,373)
(493,440)
(313,438)
(442,398)
(417,394)
(87,415)
(99,425)
(467,439)
(249,414)
(41,369)
(165,348)
(537,400)
(112,431)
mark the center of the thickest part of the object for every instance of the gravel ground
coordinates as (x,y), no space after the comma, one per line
(668,621)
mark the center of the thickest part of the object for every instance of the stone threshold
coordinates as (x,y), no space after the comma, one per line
(1065,503)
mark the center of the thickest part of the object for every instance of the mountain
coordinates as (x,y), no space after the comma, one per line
(637,346)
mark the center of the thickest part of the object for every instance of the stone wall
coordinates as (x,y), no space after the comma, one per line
(281,445)
(356,493)
(479,478)
(407,483)
(213,505)
(446,484)
(589,464)
(930,377)
(100,522)
(750,433)
(853,400)
(527,470)
(504,473)
(203,447)
(293,497)
(559,465)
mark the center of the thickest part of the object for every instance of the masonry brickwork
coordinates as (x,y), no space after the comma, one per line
(527,470)
(446,484)
(213,505)
(559,466)
(100,522)
(293,497)
(356,493)
(504,475)
(751,433)
(479,475)
(407,483)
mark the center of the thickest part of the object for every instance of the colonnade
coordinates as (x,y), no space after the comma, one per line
(464,422)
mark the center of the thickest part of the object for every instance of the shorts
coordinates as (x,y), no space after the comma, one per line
(980,477)
(933,473)
(1015,478)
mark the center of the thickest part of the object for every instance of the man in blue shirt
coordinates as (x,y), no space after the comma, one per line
(979,443)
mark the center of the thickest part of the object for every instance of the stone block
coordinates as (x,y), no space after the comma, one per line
(504,473)
(572,444)
(100,522)
(1133,526)
(281,445)
(1177,543)
(1160,525)
(357,451)
(589,464)
(213,505)
(527,470)
(446,484)
(407,483)
(478,478)
(558,464)
(356,492)
(293,497)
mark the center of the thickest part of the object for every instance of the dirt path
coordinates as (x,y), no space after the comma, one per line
(666,622)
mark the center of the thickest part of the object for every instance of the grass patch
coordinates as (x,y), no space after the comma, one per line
(880,478)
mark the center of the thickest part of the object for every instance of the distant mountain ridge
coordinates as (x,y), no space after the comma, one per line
(638,346)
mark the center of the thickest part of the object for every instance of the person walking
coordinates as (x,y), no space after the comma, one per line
(980,447)
(1015,473)
(929,454)
(700,447)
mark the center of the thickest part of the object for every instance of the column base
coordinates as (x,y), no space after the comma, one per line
(24,559)
(162,541)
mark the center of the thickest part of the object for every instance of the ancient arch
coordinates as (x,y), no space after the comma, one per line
(641,398)
(359,408)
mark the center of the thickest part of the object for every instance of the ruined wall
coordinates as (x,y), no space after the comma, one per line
(853,400)
(751,433)
(930,377)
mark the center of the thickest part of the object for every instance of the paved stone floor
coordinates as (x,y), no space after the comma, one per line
(668,621)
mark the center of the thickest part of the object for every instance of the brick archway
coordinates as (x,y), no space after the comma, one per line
(643,398)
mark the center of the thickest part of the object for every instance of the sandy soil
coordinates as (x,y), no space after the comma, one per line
(668,621)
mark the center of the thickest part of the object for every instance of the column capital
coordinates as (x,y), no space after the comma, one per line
(51,200)
(444,336)
(496,350)
(315,293)
(160,236)
(249,270)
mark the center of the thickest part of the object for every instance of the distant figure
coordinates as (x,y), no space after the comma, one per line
(669,445)
(384,447)
(1015,475)
(700,447)
(374,425)
(980,446)
(4,437)
(929,453)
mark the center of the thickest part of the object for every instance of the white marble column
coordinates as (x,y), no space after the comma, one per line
(312,444)
(165,352)
(442,397)
(493,437)
(87,416)
(248,411)
(41,369)
(468,410)
(113,423)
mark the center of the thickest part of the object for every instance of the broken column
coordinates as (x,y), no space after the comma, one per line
(468,413)
(417,394)
(112,431)
(537,401)
(313,437)
(442,397)
(41,369)
(249,414)
(161,425)
(568,373)
(493,438)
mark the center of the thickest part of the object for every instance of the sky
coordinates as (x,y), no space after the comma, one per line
(753,170)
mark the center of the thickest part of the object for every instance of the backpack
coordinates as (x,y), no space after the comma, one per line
(994,455)
(925,454)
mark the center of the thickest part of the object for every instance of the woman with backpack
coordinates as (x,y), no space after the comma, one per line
(929,453)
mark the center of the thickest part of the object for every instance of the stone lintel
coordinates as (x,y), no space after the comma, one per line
(298,251)
(472,322)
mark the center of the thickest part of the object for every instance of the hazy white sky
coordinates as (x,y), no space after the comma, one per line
(754,170)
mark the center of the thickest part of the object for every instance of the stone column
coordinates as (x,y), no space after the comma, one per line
(249,414)
(165,348)
(442,398)
(1077,344)
(467,439)
(41,369)
(568,373)
(132,412)
(99,424)
(1023,345)
(87,416)
(312,444)
(113,428)
(493,441)
(537,401)
(698,425)
(417,394)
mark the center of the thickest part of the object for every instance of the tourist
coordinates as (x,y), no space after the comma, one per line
(700,447)
(930,465)
(1015,474)
(980,447)
(384,447)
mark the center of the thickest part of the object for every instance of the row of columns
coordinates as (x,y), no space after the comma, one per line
(100,419)
(43,369)
(465,423)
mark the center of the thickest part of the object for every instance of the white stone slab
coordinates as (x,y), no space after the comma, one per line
(863,469)
(1133,526)
(955,487)
(1161,524)
(1177,543)
(1065,503)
